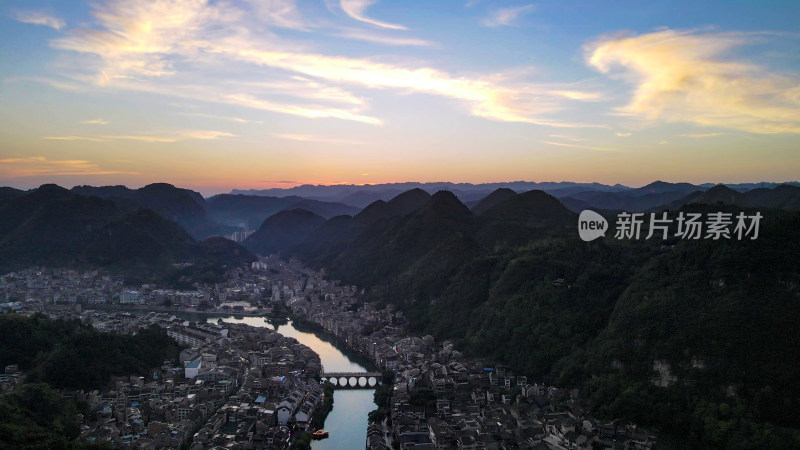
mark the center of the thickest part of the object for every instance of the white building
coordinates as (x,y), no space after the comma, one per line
(192,369)
(130,298)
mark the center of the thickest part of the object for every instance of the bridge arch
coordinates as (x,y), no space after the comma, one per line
(352,380)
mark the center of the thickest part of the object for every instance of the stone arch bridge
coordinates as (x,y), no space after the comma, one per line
(352,380)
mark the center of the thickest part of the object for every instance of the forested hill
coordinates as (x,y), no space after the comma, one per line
(56,227)
(66,355)
(516,284)
(69,355)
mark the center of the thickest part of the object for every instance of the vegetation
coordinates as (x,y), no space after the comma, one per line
(515,285)
(183,206)
(321,413)
(74,356)
(383,398)
(303,442)
(283,229)
(68,355)
(423,396)
(34,416)
(55,227)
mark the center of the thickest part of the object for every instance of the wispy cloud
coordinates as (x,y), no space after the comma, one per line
(486,98)
(507,16)
(279,181)
(623,134)
(75,138)
(177,136)
(366,36)
(280,13)
(41,166)
(357,10)
(568,138)
(95,122)
(250,101)
(580,146)
(155,47)
(224,118)
(700,135)
(40,18)
(306,88)
(64,85)
(319,139)
(689,76)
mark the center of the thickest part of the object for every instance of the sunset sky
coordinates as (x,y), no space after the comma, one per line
(215,95)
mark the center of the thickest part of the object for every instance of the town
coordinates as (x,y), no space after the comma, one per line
(244,387)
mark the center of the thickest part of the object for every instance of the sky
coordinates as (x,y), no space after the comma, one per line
(215,95)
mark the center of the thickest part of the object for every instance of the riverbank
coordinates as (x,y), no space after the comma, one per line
(347,421)
(172,309)
(303,324)
(379,417)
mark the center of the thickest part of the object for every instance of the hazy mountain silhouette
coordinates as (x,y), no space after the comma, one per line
(362,195)
(400,205)
(499,195)
(283,230)
(641,199)
(784,196)
(250,211)
(184,206)
(54,226)
(515,284)
(393,245)
(523,218)
(7,193)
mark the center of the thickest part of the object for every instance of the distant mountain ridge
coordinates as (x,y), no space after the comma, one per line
(785,196)
(54,226)
(219,215)
(497,196)
(282,230)
(183,206)
(515,284)
(362,195)
(401,205)
(510,280)
(250,211)
(654,195)
(503,218)
(469,193)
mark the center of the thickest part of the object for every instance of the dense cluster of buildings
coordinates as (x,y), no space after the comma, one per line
(56,286)
(442,400)
(46,286)
(244,387)
(233,386)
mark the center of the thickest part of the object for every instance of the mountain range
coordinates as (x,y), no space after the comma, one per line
(502,217)
(219,215)
(53,226)
(510,280)
(248,212)
(362,195)
(505,276)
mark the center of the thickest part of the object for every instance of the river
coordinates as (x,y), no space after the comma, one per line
(347,422)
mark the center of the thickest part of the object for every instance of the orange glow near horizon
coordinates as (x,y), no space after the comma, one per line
(213,95)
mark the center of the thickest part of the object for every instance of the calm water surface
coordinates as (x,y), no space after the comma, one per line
(347,423)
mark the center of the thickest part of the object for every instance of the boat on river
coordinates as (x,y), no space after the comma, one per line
(320,434)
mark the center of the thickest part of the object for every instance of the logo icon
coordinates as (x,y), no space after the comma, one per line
(591,225)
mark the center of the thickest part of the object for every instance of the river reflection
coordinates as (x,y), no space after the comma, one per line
(347,423)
